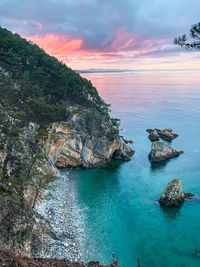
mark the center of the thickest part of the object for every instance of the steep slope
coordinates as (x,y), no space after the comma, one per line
(49,117)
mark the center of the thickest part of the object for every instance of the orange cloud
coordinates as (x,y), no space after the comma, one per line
(124,52)
(56,45)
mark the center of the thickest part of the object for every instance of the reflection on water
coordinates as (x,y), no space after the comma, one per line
(119,201)
(171,212)
(158,166)
(114,165)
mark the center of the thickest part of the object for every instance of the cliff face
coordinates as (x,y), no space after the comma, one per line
(49,117)
(77,146)
(29,153)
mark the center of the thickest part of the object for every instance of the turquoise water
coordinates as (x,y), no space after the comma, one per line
(119,202)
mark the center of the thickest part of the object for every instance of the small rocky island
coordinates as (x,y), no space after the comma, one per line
(166,134)
(173,194)
(161,151)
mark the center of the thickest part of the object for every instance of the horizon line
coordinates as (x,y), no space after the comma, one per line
(102,70)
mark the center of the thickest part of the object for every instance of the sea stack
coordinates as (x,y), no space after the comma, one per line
(173,194)
(161,151)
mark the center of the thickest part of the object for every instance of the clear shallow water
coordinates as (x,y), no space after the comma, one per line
(119,202)
(116,206)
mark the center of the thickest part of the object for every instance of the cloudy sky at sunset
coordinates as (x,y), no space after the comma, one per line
(111,34)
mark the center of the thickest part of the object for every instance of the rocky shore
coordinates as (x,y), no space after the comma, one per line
(35,152)
(60,209)
(10,259)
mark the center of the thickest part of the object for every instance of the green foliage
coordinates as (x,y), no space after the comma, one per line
(20,115)
(42,134)
(41,179)
(194,34)
(14,131)
(54,136)
(39,87)
(113,133)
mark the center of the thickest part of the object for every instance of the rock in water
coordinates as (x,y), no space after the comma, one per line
(173,194)
(166,134)
(161,151)
(149,130)
(154,136)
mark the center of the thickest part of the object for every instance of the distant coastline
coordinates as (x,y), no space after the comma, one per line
(127,70)
(103,70)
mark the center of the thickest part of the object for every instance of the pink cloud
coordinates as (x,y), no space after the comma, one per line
(56,45)
(125,50)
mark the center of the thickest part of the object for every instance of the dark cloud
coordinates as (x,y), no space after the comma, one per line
(100,23)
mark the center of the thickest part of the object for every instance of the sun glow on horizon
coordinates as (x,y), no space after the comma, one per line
(121,54)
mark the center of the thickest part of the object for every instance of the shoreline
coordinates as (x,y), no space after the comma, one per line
(60,209)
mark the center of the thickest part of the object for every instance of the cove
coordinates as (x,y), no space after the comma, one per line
(118,203)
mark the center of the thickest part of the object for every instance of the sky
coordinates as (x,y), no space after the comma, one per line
(109,34)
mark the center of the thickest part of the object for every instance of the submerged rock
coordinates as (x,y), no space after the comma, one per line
(189,195)
(173,194)
(161,151)
(166,134)
(126,141)
(196,252)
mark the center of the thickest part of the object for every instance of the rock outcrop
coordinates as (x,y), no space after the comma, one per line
(166,134)
(77,147)
(29,154)
(154,136)
(161,151)
(173,194)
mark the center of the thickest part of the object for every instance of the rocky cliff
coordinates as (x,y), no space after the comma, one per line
(50,117)
(77,144)
(29,155)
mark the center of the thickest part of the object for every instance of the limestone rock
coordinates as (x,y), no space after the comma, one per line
(154,136)
(173,194)
(161,151)
(77,148)
(166,134)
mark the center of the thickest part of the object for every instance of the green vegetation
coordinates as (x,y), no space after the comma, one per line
(39,86)
(194,35)
(35,87)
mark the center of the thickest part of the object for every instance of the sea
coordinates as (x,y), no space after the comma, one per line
(115,208)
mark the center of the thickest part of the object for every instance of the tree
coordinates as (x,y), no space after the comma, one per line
(40,179)
(190,43)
